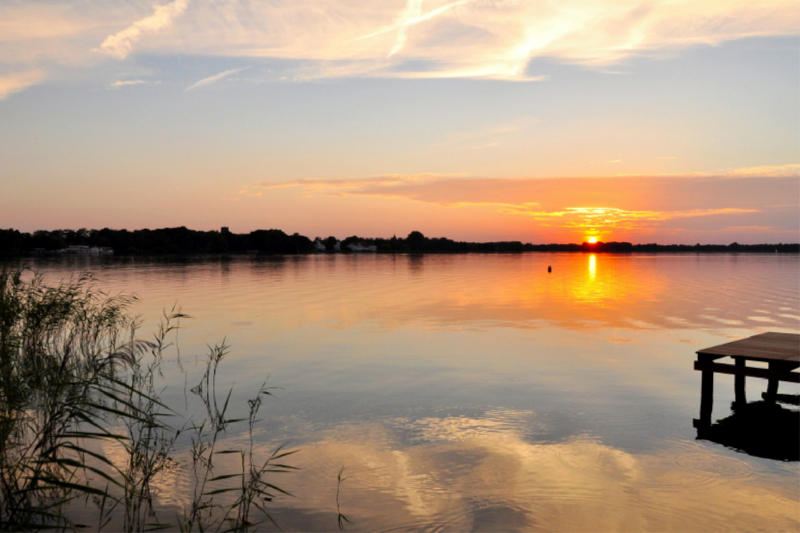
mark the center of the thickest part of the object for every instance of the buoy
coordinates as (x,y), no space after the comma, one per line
(549,269)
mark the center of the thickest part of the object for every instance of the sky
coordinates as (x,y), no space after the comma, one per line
(670,121)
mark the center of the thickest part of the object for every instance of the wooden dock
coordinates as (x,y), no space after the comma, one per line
(781,352)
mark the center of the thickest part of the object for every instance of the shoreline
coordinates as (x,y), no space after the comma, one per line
(183,241)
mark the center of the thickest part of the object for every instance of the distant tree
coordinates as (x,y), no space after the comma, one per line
(354,239)
(300,244)
(330,244)
(49,240)
(182,241)
(416,241)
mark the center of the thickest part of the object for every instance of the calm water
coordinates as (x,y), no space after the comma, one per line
(480,392)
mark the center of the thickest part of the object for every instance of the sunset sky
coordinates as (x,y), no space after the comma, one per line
(648,121)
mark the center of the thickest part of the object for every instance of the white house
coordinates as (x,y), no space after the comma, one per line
(359,247)
(80,249)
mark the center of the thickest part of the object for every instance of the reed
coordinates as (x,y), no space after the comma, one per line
(75,380)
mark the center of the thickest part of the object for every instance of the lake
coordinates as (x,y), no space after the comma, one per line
(479,392)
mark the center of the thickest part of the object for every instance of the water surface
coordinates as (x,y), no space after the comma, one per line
(479,392)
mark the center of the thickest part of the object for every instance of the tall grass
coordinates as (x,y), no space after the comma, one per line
(252,489)
(75,380)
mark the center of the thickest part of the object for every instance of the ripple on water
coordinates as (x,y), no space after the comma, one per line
(369,472)
(715,465)
(423,527)
(581,453)
(686,466)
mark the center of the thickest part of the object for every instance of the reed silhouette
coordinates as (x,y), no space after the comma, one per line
(72,373)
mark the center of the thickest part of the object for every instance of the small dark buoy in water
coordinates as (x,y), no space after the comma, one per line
(549,269)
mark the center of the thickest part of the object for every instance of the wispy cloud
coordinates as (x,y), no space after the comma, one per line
(602,218)
(791,170)
(215,78)
(489,135)
(382,181)
(416,39)
(127,83)
(411,16)
(120,44)
(599,204)
(16,82)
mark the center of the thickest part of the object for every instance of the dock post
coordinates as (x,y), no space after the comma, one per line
(706,398)
(772,386)
(740,396)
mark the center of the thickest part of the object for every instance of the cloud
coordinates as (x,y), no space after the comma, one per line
(410,16)
(600,218)
(128,83)
(382,181)
(632,193)
(792,170)
(600,204)
(16,82)
(414,39)
(490,133)
(495,39)
(120,44)
(215,78)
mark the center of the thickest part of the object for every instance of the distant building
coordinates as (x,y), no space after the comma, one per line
(80,249)
(224,230)
(76,250)
(321,245)
(360,247)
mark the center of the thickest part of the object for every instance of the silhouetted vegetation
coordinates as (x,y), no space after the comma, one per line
(185,241)
(75,383)
(416,242)
(160,241)
(626,247)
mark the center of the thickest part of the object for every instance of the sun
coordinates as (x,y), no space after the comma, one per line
(592,240)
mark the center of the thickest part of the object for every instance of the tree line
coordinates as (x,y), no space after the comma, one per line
(273,241)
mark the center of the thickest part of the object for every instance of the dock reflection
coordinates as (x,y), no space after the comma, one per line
(761,429)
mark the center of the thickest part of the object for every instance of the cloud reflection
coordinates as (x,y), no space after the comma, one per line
(465,473)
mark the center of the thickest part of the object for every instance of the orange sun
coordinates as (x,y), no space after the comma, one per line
(592,240)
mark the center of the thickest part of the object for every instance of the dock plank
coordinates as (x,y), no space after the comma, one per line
(767,347)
